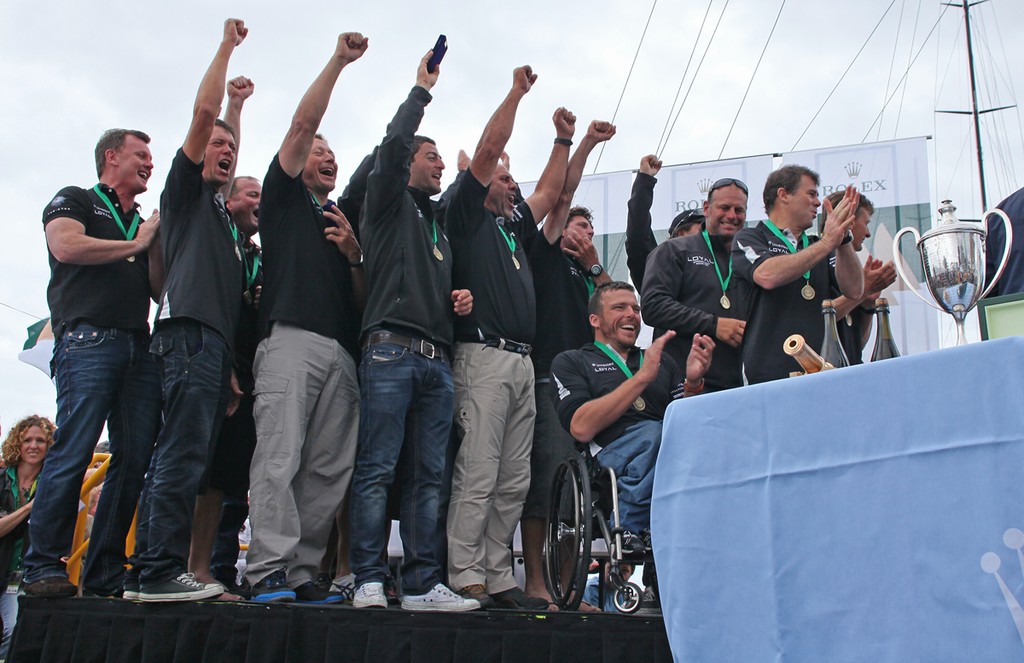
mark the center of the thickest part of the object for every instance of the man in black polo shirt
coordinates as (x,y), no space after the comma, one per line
(405,377)
(493,376)
(307,397)
(853,316)
(689,286)
(613,396)
(100,286)
(788,274)
(195,329)
(640,240)
(566,269)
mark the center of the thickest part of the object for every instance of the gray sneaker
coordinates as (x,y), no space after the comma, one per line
(183,588)
(370,595)
(440,599)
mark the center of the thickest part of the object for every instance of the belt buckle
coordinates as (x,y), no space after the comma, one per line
(423,349)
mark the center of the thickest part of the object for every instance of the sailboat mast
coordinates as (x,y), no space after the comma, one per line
(974,103)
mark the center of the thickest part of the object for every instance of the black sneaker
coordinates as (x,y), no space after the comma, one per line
(632,543)
(515,599)
(131,587)
(323,581)
(183,588)
(273,589)
(311,592)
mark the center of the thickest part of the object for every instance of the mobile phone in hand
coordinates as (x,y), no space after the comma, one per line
(440,48)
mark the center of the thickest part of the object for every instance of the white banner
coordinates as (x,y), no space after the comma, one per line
(686,186)
(890,173)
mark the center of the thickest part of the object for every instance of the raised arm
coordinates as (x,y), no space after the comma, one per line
(239,89)
(597,132)
(552,178)
(211,92)
(640,239)
(499,127)
(311,109)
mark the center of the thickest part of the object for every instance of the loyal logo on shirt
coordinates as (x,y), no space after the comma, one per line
(699,261)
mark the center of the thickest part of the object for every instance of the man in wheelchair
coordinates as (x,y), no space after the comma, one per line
(613,395)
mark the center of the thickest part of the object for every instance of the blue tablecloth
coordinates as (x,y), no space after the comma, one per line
(843,516)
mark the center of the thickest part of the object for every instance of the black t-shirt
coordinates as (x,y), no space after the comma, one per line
(562,297)
(307,280)
(588,373)
(202,252)
(775,314)
(504,304)
(112,295)
(247,337)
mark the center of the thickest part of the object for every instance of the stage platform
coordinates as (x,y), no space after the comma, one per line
(91,630)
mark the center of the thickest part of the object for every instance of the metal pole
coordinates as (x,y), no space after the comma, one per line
(974,104)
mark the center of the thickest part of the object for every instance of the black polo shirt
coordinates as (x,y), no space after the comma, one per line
(202,256)
(247,336)
(504,304)
(307,280)
(775,314)
(562,298)
(588,373)
(115,294)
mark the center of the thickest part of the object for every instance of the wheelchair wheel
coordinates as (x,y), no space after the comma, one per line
(627,599)
(568,535)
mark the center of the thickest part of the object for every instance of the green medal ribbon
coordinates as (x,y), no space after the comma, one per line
(319,207)
(714,260)
(250,277)
(128,234)
(511,241)
(792,249)
(614,356)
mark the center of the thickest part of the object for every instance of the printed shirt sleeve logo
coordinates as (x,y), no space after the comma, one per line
(562,391)
(748,252)
(57,201)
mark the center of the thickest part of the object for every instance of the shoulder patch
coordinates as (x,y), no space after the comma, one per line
(57,201)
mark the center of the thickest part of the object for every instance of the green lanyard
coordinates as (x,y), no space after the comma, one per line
(319,207)
(511,241)
(614,356)
(128,234)
(723,282)
(792,249)
(250,277)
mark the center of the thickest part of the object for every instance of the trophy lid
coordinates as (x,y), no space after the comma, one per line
(948,223)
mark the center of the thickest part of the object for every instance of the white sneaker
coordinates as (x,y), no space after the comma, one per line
(344,585)
(440,598)
(370,595)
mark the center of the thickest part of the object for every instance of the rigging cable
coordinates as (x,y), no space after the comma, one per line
(751,81)
(694,79)
(31,315)
(839,82)
(626,84)
(682,80)
(903,95)
(892,61)
(907,72)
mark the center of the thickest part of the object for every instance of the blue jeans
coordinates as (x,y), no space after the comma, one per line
(406,413)
(633,457)
(103,376)
(195,368)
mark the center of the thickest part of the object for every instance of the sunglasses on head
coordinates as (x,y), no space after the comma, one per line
(728,181)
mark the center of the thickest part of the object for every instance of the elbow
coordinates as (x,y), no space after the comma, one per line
(580,432)
(205,112)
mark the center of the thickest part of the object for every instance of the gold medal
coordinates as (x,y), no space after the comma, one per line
(131,258)
(247,296)
(238,253)
(808,292)
(437,253)
(515,261)
(639,404)
(849,320)
(724,301)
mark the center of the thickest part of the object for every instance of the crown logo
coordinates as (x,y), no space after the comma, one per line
(704,185)
(1013,538)
(853,168)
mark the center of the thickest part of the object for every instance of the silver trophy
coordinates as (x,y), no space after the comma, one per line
(953,261)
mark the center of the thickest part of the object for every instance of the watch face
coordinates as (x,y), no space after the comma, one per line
(596,270)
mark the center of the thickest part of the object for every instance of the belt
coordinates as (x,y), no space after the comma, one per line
(419,346)
(508,346)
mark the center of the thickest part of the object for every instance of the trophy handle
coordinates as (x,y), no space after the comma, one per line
(898,262)
(1008,227)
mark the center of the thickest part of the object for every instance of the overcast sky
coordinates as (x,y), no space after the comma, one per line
(70,70)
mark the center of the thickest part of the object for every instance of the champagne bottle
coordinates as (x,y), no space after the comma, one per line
(885,346)
(809,360)
(831,347)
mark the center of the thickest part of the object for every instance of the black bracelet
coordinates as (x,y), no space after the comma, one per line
(563,141)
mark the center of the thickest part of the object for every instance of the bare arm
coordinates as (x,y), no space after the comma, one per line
(552,179)
(342,236)
(311,109)
(211,92)
(69,244)
(597,132)
(9,522)
(239,89)
(499,127)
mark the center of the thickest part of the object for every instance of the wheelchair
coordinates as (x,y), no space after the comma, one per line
(582,495)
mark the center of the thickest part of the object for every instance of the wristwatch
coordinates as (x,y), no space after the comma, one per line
(597,270)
